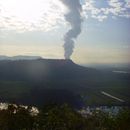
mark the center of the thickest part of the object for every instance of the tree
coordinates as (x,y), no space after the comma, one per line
(63,117)
(16,118)
(123,119)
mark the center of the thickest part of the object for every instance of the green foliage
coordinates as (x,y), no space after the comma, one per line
(100,121)
(123,120)
(61,117)
(15,118)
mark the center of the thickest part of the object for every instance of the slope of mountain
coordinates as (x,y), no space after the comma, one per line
(24,80)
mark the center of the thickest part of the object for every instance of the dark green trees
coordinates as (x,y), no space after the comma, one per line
(123,120)
(16,118)
(61,117)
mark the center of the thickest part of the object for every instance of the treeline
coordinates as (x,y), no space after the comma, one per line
(63,117)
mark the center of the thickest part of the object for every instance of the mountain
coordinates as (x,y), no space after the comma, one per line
(3,57)
(43,69)
(57,80)
(20,57)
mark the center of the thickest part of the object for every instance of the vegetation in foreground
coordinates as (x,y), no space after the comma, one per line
(63,117)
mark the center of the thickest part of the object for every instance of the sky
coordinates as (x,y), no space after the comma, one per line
(37,28)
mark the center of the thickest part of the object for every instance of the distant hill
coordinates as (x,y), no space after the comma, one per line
(28,81)
(20,57)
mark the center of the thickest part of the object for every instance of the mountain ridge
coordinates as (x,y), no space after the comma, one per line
(19,57)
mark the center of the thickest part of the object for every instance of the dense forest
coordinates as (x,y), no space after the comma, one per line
(61,117)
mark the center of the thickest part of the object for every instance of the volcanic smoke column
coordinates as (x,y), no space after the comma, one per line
(73,17)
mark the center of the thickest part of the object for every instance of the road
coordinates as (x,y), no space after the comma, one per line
(109,95)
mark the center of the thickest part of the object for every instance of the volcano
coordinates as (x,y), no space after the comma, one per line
(58,80)
(41,70)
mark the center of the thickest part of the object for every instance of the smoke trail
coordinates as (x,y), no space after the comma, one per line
(74,18)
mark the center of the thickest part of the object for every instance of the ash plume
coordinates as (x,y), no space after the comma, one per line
(73,17)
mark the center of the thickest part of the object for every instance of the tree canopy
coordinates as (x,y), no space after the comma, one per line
(61,117)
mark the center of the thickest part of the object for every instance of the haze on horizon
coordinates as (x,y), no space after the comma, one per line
(37,27)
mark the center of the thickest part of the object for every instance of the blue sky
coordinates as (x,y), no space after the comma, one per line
(37,27)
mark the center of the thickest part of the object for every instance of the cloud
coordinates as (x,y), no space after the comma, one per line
(114,8)
(100,17)
(46,15)
(31,15)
